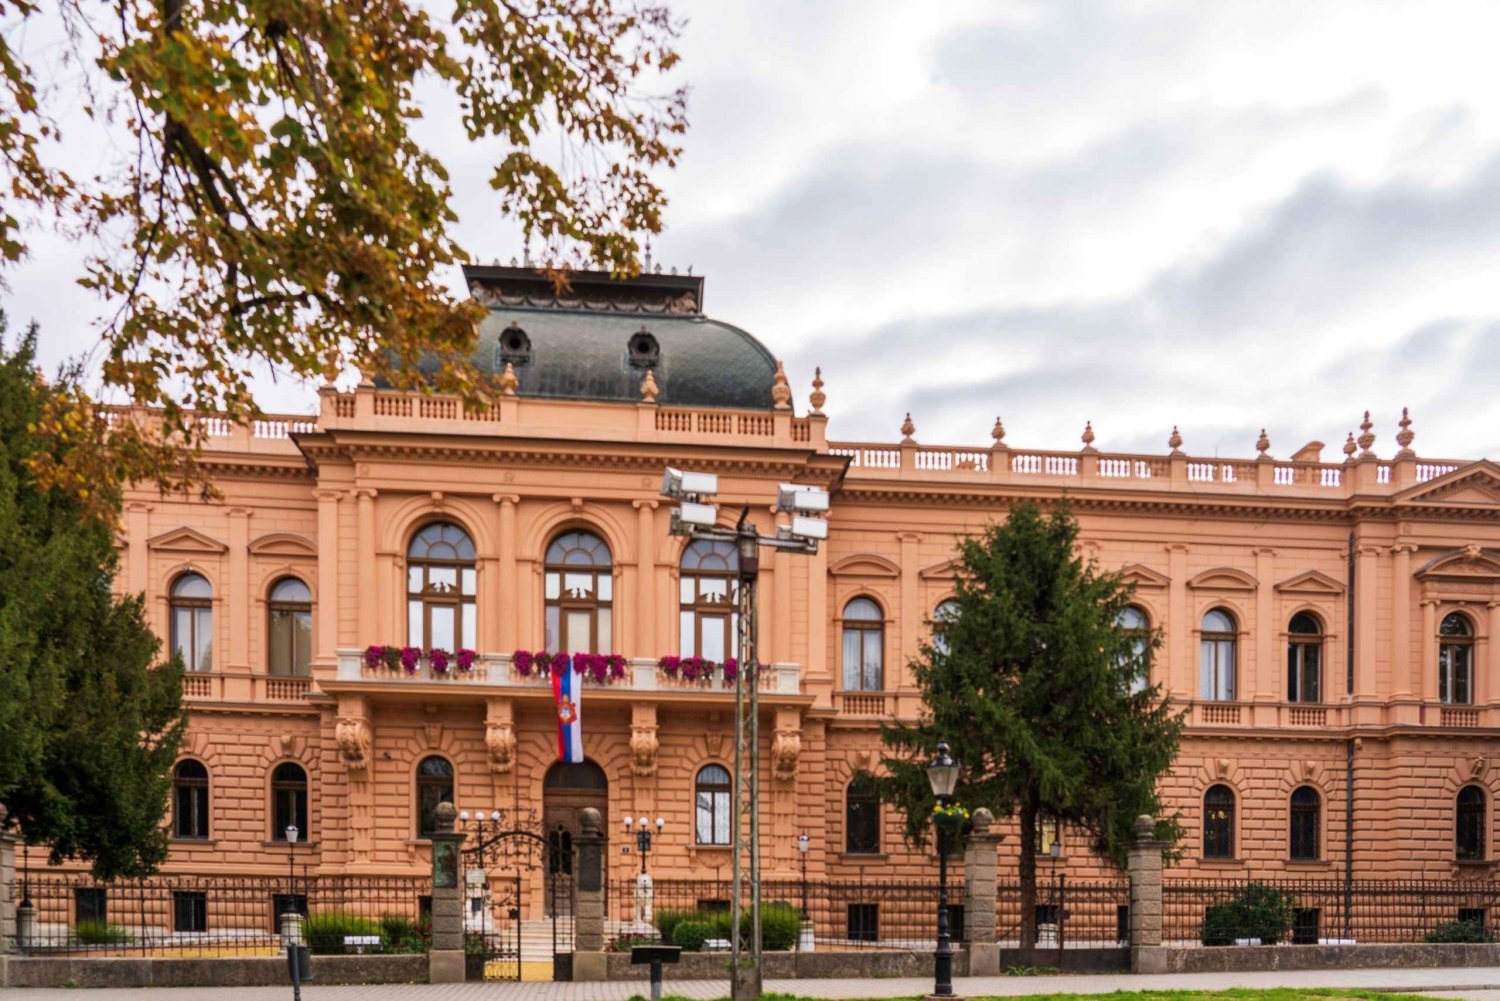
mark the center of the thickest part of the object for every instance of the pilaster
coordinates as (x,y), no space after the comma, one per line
(505,508)
(1181,682)
(326,624)
(365,537)
(645,641)
(445,962)
(137,531)
(238,599)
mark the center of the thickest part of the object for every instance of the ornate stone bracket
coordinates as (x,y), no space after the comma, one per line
(644,743)
(786,744)
(353,735)
(500,735)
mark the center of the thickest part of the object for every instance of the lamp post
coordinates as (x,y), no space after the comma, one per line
(643,836)
(942,775)
(696,517)
(291,833)
(802,841)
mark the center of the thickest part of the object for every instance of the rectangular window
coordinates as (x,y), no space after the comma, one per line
(442,623)
(578,637)
(415,635)
(1305,922)
(713,906)
(189,911)
(1303,672)
(203,630)
(713,637)
(686,642)
(863,923)
(90,903)
(1122,923)
(956,922)
(1048,836)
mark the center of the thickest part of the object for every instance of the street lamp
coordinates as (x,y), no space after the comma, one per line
(696,517)
(942,775)
(291,833)
(802,842)
(643,836)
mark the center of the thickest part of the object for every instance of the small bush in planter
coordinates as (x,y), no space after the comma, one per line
(691,934)
(1468,930)
(401,934)
(93,931)
(1257,911)
(780,924)
(666,920)
(325,930)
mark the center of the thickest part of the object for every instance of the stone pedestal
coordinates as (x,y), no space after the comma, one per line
(445,963)
(1143,862)
(980,851)
(291,930)
(589,959)
(8,899)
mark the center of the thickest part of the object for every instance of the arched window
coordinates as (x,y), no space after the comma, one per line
(943,616)
(1456,659)
(434,786)
(193,621)
(861,819)
(1468,824)
(190,799)
(864,646)
(1304,659)
(1306,816)
(289,630)
(707,589)
(1218,822)
(1217,650)
(579,595)
(1135,622)
(288,801)
(712,805)
(440,588)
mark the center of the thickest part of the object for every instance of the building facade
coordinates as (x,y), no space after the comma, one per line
(1332,628)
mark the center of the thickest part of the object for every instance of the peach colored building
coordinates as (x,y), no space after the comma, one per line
(1332,627)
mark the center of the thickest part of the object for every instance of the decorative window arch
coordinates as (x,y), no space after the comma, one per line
(1134,620)
(441,584)
(1306,821)
(1470,808)
(864,646)
(1456,659)
(434,786)
(192,621)
(943,616)
(579,596)
(708,588)
(1218,822)
(288,800)
(1304,658)
(712,791)
(289,628)
(190,800)
(861,818)
(1218,646)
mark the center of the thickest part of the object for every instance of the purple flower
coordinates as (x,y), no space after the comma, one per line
(410,657)
(374,653)
(560,662)
(670,664)
(694,668)
(438,658)
(616,666)
(521,661)
(465,658)
(731,670)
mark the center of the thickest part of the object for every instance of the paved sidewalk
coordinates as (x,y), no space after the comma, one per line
(1464,982)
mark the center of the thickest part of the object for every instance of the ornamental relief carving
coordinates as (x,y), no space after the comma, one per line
(643,748)
(353,736)
(500,742)
(786,746)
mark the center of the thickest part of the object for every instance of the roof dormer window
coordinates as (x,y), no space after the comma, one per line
(514,347)
(643,350)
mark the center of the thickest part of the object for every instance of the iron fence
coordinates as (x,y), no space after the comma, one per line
(1070,914)
(184,915)
(1328,911)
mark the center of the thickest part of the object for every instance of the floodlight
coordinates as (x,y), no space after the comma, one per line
(809,528)
(677,484)
(794,497)
(291,834)
(702,515)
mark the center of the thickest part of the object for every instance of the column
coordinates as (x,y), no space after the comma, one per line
(506,597)
(980,864)
(137,530)
(445,963)
(646,643)
(781,609)
(237,602)
(1426,669)
(817,612)
(1143,863)
(365,599)
(1366,608)
(912,612)
(326,624)
(1181,680)
(590,962)
(1268,683)
(1404,680)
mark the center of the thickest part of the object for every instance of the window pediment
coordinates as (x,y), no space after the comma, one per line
(865,565)
(1476,484)
(186,540)
(285,544)
(1310,582)
(1224,579)
(1143,576)
(946,570)
(1468,563)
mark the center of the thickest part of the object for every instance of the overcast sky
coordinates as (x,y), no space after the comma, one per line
(1220,216)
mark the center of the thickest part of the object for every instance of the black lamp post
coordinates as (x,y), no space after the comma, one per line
(802,850)
(643,836)
(292,834)
(942,775)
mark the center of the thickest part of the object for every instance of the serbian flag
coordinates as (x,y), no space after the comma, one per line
(567,692)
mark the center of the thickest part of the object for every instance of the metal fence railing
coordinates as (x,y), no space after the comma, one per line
(1070,914)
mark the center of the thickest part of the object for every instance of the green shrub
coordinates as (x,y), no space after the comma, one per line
(692,933)
(1258,911)
(401,934)
(629,940)
(1460,931)
(780,924)
(325,930)
(666,920)
(93,931)
(474,944)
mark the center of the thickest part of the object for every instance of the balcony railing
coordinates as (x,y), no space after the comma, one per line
(244,687)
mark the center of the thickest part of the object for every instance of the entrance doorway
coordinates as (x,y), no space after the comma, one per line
(567,789)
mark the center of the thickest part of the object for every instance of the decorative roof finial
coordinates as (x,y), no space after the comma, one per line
(1366,437)
(649,392)
(1405,436)
(907,430)
(818,397)
(781,393)
(1263,444)
(1175,442)
(508,380)
(1088,436)
(647,268)
(998,433)
(1350,448)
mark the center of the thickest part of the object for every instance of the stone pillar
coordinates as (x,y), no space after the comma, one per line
(8,937)
(589,959)
(980,864)
(445,963)
(1143,863)
(291,930)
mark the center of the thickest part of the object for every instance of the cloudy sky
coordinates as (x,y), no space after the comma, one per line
(1220,216)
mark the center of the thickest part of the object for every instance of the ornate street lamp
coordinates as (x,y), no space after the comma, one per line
(291,833)
(643,836)
(942,775)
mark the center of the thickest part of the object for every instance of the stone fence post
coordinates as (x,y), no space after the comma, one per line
(589,959)
(980,874)
(1143,862)
(8,940)
(445,963)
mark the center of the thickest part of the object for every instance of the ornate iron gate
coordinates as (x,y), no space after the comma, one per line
(518,916)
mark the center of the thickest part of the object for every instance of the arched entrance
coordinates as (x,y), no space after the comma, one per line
(566,790)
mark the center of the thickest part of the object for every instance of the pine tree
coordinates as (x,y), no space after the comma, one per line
(1041,695)
(88,728)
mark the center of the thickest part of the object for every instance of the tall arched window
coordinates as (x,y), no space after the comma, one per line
(1456,659)
(190,799)
(864,646)
(943,616)
(1134,621)
(1304,659)
(1218,822)
(440,587)
(579,594)
(861,819)
(1217,649)
(707,588)
(434,786)
(193,621)
(712,792)
(289,628)
(288,800)
(1469,824)
(1306,819)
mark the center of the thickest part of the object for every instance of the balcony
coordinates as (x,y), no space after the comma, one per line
(220,686)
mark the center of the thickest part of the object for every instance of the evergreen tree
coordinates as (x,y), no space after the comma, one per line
(88,728)
(1041,695)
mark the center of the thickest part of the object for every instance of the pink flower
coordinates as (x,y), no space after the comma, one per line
(670,664)
(616,666)
(465,658)
(374,653)
(521,661)
(560,662)
(731,670)
(438,658)
(410,657)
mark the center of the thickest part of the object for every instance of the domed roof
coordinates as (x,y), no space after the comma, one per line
(597,340)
